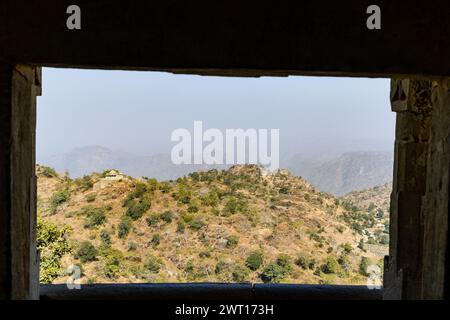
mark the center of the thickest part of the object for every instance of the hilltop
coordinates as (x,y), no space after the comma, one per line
(337,174)
(243,224)
(85,160)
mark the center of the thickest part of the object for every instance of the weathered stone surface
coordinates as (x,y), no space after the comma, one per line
(436,206)
(234,37)
(416,268)
(5,180)
(19,271)
(411,100)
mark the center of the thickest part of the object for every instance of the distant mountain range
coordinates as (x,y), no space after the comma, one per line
(345,173)
(86,160)
(348,172)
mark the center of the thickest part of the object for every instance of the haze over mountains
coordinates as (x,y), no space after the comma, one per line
(338,175)
(348,172)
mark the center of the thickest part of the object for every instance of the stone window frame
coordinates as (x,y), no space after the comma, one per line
(414,56)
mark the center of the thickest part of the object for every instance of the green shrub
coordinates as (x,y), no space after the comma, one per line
(105,238)
(239,274)
(284,261)
(152,220)
(183,195)
(234,205)
(211,199)
(284,190)
(48,172)
(316,237)
(232,241)
(124,227)
(189,269)
(156,240)
(113,260)
(361,245)
(231,206)
(136,210)
(91,197)
(57,199)
(345,264)
(194,176)
(363,266)
(347,247)
(254,260)
(86,252)
(303,261)
(164,187)
(221,267)
(205,254)
(94,217)
(330,266)
(138,193)
(312,264)
(273,273)
(152,185)
(196,224)
(180,227)
(132,246)
(139,190)
(166,216)
(153,264)
(52,244)
(194,206)
(84,183)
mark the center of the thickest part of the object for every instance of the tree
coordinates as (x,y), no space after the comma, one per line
(211,199)
(48,172)
(232,241)
(273,273)
(152,220)
(52,244)
(86,252)
(239,274)
(156,240)
(166,216)
(57,199)
(113,260)
(194,206)
(284,261)
(181,227)
(196,224)
(347,247)
(136,210)
(330,266)
(94,217)
(105,237)
(254,260)
(303,261)
(363,265)
(153,264)
(124,227)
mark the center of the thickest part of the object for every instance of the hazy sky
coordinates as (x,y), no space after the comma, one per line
(137,111)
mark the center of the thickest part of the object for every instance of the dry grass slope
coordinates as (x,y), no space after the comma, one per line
(238,225)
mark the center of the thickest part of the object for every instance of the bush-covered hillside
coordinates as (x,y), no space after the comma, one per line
(239,225)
